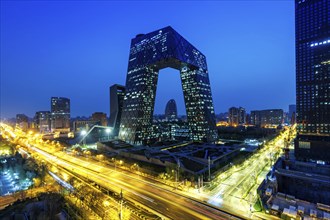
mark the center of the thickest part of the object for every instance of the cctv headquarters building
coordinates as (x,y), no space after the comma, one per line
(149,53)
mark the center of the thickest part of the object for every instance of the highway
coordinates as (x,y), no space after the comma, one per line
(160,200)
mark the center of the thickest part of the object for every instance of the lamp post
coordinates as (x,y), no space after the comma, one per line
(177,174)
(209,167)
(121,205)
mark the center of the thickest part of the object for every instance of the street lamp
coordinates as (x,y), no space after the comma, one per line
(108,131)
(83,133)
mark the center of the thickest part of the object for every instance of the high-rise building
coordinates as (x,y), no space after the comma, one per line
(237,116)
(100,118)
(60,114)
(150,53)
(42,120)
(233,116)
(269,117)
(117,93)
(241,116)
(292,114)
(247,118)
(171,111)
(313,79)
(22,121)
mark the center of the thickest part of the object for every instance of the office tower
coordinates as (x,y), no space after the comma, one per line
(22,121)
(171,110)
(269,117)
(42,120)
(60,114)
(117,93)
(292,114)
(100,118)
(313,79)
(150,53)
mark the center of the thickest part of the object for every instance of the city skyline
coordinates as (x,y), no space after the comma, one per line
(254,77)
(80,58)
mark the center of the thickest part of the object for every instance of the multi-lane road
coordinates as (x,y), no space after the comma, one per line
(157,198)
(235,190)
(237,187)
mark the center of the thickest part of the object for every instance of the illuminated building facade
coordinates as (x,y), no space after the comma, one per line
(171,111)
(237,116)
(241,116)
(42,120)
(269,117)
(22,121)
(60,114)
(117,94)
(150,53)
(100,118)
(80,125)
(313,79)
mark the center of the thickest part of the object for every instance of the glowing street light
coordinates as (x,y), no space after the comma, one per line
(106,203)
(108,131)
(83,133)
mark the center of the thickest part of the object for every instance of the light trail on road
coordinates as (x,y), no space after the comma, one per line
(158,199)
(237,186)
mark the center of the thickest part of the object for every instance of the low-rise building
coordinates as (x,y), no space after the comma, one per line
(100,118)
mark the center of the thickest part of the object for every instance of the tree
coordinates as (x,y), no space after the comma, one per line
(53,204)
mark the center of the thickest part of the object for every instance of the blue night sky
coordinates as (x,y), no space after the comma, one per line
(78,49)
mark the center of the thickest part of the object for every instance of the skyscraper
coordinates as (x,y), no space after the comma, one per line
(60,114)
(313,79)
(117,93)
(148,54)
(171,111)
